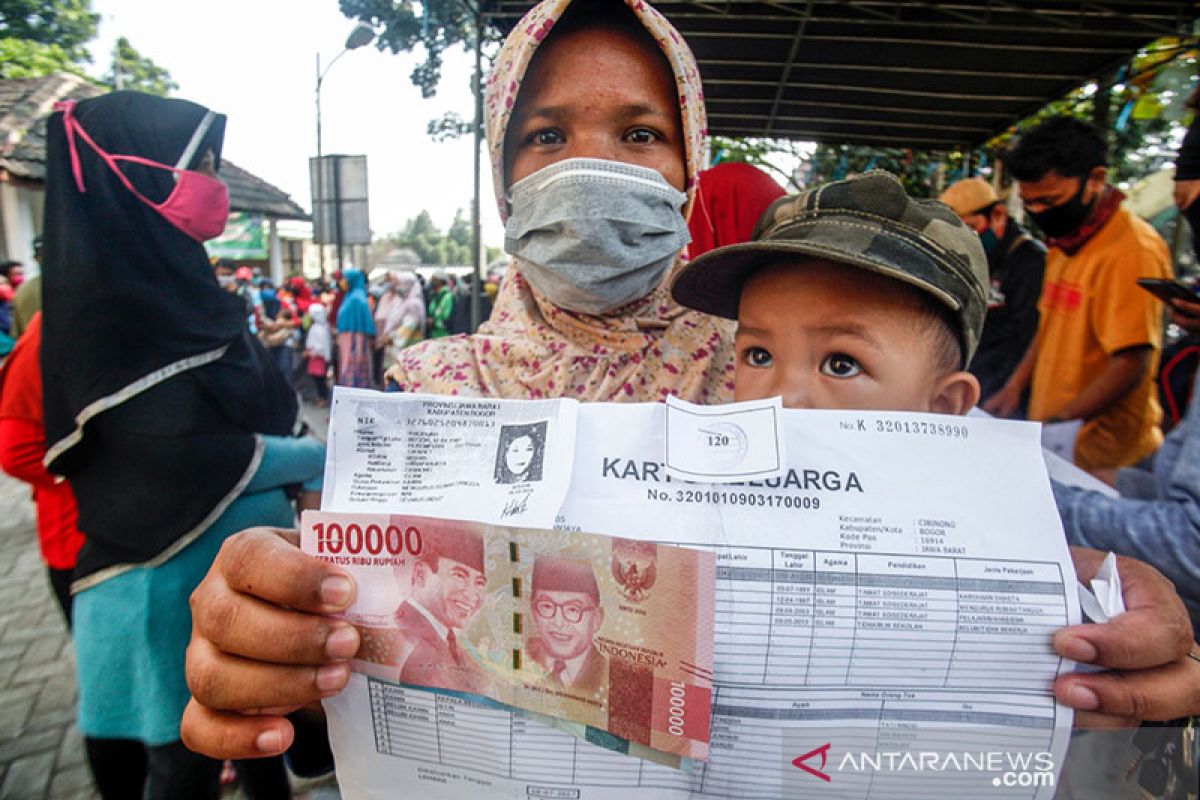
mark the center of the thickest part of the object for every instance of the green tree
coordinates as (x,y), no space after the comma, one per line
(762,153)
(433,25)
(828,162)
(917,169)
(40,37)
(435,247)
(131,70)
(66,24)
(424,237)
(1143,107)
(23,58)
(460,230)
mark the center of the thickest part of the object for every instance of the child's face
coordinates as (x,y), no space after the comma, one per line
(823,335)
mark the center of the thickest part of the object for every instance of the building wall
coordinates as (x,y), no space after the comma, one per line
(20,221)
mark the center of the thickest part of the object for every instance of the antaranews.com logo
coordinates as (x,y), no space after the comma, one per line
(999,768)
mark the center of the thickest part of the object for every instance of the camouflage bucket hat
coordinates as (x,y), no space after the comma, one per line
(866,221)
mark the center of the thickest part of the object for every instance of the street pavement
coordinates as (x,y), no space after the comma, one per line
(41,752)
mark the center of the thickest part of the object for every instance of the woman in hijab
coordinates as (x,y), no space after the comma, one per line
(386,308)
(589,317)
(406,318)
(169,419)
(355,333)
(318,347)
(595,125)
(302,295)
(271,304)
(730,197)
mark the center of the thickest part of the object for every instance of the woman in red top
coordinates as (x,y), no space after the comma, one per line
(22,447)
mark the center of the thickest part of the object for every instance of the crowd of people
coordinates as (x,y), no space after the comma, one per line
(161,436)
(344,331)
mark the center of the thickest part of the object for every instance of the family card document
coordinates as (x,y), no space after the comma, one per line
(884,611)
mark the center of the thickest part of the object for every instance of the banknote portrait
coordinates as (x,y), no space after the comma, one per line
(567,613)
(447,591)
(520,453)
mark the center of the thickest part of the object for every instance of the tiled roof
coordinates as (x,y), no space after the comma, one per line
(26,103)
(253,195)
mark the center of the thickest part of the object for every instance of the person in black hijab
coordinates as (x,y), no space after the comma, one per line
(167,416)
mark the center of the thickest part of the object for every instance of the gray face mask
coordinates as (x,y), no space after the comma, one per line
(593,235)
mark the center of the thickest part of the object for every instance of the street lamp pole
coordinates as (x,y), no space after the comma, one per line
(476,230)
(318,214)
(360,36)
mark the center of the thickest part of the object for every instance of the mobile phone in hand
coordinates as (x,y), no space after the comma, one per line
(1167,290)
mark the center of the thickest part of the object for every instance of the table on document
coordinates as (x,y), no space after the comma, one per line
(881,652)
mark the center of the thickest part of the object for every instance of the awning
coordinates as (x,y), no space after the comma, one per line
(929,75)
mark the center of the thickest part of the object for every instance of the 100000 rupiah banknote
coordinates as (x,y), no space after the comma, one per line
(610,633)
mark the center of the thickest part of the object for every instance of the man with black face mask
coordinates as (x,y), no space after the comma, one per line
(1015,264)
(1097,346)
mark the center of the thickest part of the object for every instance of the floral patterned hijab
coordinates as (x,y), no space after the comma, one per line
(530,348)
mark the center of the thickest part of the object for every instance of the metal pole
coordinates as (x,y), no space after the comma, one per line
(476,230)
(337,208)
(320,199)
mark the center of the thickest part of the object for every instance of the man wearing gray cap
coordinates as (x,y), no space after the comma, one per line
(1015,264)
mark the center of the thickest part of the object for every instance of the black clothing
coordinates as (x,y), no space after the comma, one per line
(1015,265)
(321,385)
(154,387)
(1187,165)
(125,769)
(310,754)
(60,583)
(460,314)
(263,778)
(1187,168)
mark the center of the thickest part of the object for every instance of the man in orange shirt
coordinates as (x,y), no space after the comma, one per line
(1097,346)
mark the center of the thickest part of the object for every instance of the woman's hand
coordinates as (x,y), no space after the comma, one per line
(261,645)
(1146,648)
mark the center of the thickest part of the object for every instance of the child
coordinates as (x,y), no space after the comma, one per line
(318,347)
(852,295)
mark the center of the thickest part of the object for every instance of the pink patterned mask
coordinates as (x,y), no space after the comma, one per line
(198,205)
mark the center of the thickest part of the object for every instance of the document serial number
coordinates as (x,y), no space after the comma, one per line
(718,496)
(945,429)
